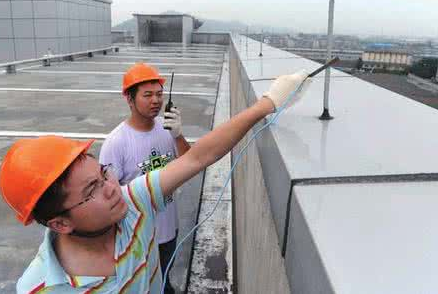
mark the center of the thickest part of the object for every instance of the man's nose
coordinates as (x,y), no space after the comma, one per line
(155,98)
(109,188)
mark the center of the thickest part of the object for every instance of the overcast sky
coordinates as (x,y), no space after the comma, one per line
(364,17)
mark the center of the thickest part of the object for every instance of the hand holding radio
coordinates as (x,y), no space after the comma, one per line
(172,122)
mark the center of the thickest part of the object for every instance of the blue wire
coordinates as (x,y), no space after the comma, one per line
(271,121)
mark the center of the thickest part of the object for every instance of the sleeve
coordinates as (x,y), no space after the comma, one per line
(147,190)
(110,153)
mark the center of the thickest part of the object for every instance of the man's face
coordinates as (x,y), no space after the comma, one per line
(149,100)
(106,205)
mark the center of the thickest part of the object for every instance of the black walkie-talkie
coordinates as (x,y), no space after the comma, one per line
(169,104)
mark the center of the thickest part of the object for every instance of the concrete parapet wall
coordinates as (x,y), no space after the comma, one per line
(259,266)
(211,38)
(333,197)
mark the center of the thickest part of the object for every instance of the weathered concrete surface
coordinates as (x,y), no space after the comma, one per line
(211,270)
(92,113)
(205,85)
(212,265)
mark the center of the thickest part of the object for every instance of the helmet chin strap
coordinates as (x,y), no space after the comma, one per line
(93,234)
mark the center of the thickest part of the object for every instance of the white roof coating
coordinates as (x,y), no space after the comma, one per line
(353,235)
(375,238)
(374,132)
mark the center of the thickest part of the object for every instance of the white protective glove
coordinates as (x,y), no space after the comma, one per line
(172,120)
(282,86)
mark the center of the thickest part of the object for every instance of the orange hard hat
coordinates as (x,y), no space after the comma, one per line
(141,72)
(31,166)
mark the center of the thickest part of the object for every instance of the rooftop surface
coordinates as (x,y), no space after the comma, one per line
(401,85)
(84,96)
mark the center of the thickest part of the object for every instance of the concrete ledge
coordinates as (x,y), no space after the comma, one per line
(259,266)
(212,264)
(11,66)
(211,38)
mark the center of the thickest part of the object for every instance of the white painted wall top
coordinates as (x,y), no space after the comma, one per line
(270,67)
(375,131)
(375,238)
(363,238)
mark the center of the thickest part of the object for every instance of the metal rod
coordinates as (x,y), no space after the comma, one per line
(261,44)
(171,86)
(325,66)
(247,33)
(314,73)
(326,113)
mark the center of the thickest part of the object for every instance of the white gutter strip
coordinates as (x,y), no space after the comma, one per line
(99,136)
(146,57)
(110,73)
(97,91)
(151,63)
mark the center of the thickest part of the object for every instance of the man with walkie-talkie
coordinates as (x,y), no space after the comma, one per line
(146,142)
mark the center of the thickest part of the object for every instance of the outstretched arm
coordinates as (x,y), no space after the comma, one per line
(182,146)
(213,146)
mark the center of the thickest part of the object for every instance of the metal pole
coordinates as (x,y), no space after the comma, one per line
(326,114)
(261,45)
(247,34)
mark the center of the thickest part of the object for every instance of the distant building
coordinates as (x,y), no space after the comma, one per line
(31,29)
(321,54)
(315,41)
(118,36)
(386,57)
(169,28)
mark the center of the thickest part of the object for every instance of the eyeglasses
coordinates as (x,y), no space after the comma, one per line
(108,174)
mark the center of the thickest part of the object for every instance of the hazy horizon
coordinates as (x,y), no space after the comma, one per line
(372,17)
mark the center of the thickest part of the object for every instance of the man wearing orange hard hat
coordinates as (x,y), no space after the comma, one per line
(145,142)
(101,236)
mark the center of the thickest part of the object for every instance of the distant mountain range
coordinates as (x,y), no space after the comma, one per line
(211,25)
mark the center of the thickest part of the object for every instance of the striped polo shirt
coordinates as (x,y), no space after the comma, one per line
(137,263)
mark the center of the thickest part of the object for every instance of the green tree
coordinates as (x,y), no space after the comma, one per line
(359,63)
(425,68)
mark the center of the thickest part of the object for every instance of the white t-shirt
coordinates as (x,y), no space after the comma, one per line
(133,153)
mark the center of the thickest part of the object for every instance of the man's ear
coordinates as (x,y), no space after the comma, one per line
(128,99)
(60,225)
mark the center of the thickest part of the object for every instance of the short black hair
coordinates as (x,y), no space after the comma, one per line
(52,200)
(132,91)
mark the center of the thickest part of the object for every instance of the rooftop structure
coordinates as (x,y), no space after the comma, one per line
(32,29)
(169,28)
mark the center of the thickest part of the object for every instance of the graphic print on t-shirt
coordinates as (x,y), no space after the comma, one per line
(156,161)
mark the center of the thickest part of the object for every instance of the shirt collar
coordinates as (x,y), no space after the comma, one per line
(55,272)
